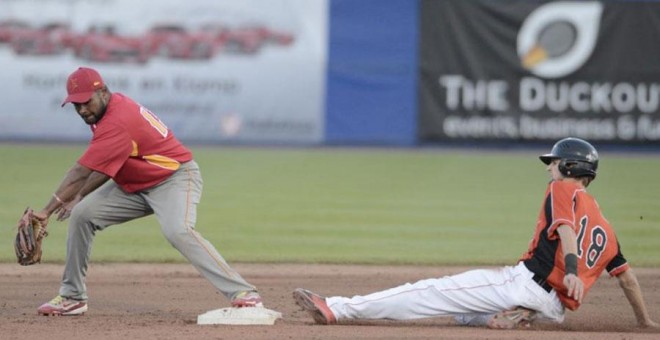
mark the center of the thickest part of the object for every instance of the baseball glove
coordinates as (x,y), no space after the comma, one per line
(28,239)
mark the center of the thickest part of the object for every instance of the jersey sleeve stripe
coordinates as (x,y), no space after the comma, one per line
(620,269)
(162,161)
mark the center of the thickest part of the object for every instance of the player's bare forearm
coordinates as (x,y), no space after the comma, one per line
(568,239)
(78,182)
(628,282)
(93,181)
(574,285)
(71,184)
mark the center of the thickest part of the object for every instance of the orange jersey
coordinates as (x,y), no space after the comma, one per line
(567,203)
(131,145)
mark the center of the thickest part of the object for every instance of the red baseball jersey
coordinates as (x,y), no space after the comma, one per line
(132,146)
(567,203)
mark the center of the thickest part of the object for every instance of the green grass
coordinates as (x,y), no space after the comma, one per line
(349,205)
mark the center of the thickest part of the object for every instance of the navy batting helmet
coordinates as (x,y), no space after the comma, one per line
(578,157)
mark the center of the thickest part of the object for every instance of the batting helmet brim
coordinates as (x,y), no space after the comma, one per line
(548,158)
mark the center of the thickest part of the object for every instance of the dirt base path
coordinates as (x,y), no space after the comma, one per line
(162,301)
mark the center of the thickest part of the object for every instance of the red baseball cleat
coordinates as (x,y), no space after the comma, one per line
(61,305)
(247,299)
(315,305)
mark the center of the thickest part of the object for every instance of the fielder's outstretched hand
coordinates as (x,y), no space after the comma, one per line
(65,210)
(29,236)
(42,217)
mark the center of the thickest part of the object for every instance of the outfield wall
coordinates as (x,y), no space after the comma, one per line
(389,72)
(372,72)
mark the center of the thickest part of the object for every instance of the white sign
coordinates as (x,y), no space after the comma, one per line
(212,70)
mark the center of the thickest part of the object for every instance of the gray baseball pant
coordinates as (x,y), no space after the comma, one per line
(174,202)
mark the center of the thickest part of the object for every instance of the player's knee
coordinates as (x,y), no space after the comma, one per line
(81,223)
(176,236)
(80,214)
(83,214)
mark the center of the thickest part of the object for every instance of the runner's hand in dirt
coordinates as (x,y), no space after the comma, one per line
(575,287)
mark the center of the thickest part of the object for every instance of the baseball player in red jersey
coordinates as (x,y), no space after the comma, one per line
(573,243)
(133,167)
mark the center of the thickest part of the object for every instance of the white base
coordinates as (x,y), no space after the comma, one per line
(239,316)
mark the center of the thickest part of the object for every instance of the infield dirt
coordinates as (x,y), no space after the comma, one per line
(162,301)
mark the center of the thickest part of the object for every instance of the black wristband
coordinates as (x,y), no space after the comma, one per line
(570,262)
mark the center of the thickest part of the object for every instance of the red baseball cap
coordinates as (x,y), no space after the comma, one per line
(82,84)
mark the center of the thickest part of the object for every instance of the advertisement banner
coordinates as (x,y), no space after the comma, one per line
(527,70)
(212,70)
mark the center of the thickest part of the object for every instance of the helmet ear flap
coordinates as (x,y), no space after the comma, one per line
(564,168)
(574,168)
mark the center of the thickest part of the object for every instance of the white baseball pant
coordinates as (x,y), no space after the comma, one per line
(471,297)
